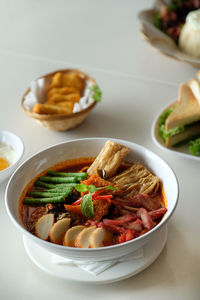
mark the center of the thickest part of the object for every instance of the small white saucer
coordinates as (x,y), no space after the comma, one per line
(119,271)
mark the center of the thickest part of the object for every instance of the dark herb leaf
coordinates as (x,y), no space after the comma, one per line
(92,188)
(81,187)
(108,187)
(87,207)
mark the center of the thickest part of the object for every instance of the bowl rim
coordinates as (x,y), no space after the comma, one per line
(7,132)
(55,117)
(107,248)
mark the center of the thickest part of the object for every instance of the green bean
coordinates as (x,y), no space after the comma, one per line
(42,201)
(52,192)
(81,175)
(62,185)
(44,184)
(60,189)
(47,194)
(53,185)
(58,179)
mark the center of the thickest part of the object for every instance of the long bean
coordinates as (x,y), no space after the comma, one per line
(37,201)
(47,194)
(81,175)
(65,191)
(60,190)
(62,185)
(58,179)
(53,185)
(44,184)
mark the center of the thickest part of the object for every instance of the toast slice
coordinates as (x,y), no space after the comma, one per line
(187,110)
(189,132)
(195,87)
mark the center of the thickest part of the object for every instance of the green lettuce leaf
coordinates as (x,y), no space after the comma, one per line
(165,115)
(194,147)
(97,93)
(168,133)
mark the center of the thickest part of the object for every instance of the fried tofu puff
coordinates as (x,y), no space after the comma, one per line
(68,80)
(57,98)
(53,109)
(64,91)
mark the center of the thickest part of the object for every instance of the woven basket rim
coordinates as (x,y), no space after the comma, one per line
(49,117)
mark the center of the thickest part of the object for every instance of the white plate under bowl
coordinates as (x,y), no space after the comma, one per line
(179,150)
(119,271)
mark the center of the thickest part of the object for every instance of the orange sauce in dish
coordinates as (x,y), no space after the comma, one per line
(3,163)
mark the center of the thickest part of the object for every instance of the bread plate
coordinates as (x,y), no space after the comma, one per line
(182,151)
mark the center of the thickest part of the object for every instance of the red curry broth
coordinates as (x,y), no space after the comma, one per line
(73,165)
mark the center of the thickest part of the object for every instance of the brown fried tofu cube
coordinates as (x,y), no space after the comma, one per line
(52,109)
(70,79)
(57,80)
(62,91)
(57,98)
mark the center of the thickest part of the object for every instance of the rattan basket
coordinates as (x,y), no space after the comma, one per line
(61,122)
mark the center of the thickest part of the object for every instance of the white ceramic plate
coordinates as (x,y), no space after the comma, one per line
(181,150)
(120,271)
(161,41)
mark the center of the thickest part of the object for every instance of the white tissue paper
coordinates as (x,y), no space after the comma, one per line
(96,268)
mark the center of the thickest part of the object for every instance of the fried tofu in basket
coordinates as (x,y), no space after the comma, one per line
(65,89)
(57,98)
(71,79)
(53,109)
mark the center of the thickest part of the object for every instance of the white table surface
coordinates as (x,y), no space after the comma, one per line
(103,39)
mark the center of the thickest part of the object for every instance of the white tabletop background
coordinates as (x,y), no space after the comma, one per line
(102,38)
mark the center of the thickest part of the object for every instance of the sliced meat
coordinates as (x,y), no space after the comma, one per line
(37,213)
(101,208)
(127,236)
(158,213)
(109,159)
(112,228)
(121,220)
(136,225)
(144,200)
(146,218)
(139,200)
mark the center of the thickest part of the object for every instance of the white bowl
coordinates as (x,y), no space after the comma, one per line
(11,139)
(83,148)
